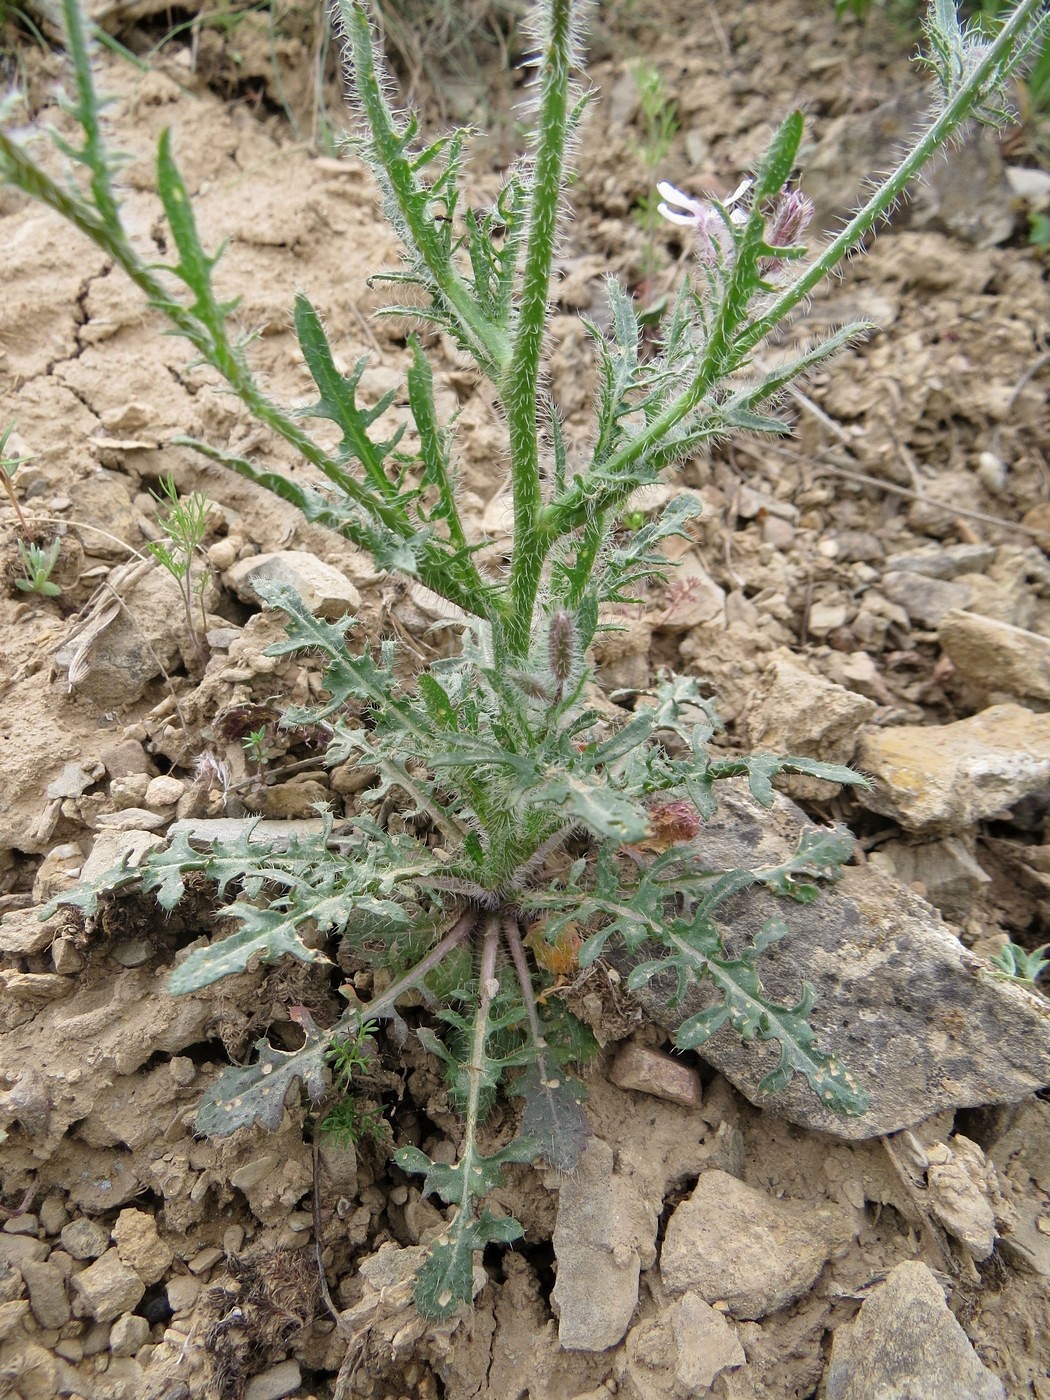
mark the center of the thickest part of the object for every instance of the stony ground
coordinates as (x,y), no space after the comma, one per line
(875,588)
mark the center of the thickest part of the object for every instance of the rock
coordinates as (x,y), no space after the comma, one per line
(1021,1157)
(788,1243)
(941,779)
(33,1373)
(797,712)
(943,561)
(278,834)
(132,952)
(649,1071)
(23,934)
(140,1246)
(21,1249)
(925,600)
(108,1287)
(58,871)
(182,1292)
(52,1215)
(47,1294)
(959,1186)
(112,849)
(275,1383)
(204,1261)
(124,758)
(128,1334)
(827,617)
(164,791)
(950,877)
(244,1178)
(678,1355)
(898,1000)
(326,592)
(74,780)
(905,1342)
(691,598)
(995,657)
(132,819)
(104,500)
(118,651)
(605,1234)
(24,1224)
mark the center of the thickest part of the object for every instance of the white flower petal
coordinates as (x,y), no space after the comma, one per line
(676,216)
(673,195)
(739,192)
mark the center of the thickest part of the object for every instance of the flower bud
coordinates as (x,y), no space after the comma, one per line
(671,824)
(560,646)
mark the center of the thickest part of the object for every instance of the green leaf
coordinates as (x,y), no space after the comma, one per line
(447,1277)
(602,810)
(258,1093)
(554,1118)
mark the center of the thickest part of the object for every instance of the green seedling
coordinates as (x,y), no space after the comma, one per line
(348,1120)
(527,819)
(184,522)
(1016,965)
(38,563)
(659,127)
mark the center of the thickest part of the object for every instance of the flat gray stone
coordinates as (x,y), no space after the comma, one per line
(905,1342)
(326,592)
(925,600)
(605,1234)
(914,1016)
(732,1244)
(47,1294)
(944,561)
(275,1383)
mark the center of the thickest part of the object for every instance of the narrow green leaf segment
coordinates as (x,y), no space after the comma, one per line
(533,832)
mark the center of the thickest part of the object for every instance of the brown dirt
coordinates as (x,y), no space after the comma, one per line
(943,405)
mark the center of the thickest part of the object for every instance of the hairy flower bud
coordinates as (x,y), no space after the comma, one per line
(671,824)
(560,646)
(790,218)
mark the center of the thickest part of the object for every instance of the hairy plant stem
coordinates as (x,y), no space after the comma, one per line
(521,388)
(728,349)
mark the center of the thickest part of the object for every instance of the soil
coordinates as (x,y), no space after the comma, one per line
(933,430)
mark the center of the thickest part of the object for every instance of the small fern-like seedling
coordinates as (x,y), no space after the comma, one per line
(546,831)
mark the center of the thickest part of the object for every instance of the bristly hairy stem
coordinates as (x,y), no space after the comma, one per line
(522,385)
(405,190)
(959,107)
(722,357)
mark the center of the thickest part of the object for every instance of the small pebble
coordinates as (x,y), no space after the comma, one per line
(205,1260)
(133,953)
(164,792)
(85,1239)
(66,958)
(182,1069)
(22,1225)
(182,1292)
(53,1215)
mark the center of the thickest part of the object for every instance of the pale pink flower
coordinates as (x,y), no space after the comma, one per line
(704,217)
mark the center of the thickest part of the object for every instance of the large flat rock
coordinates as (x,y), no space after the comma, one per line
(916,1018)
